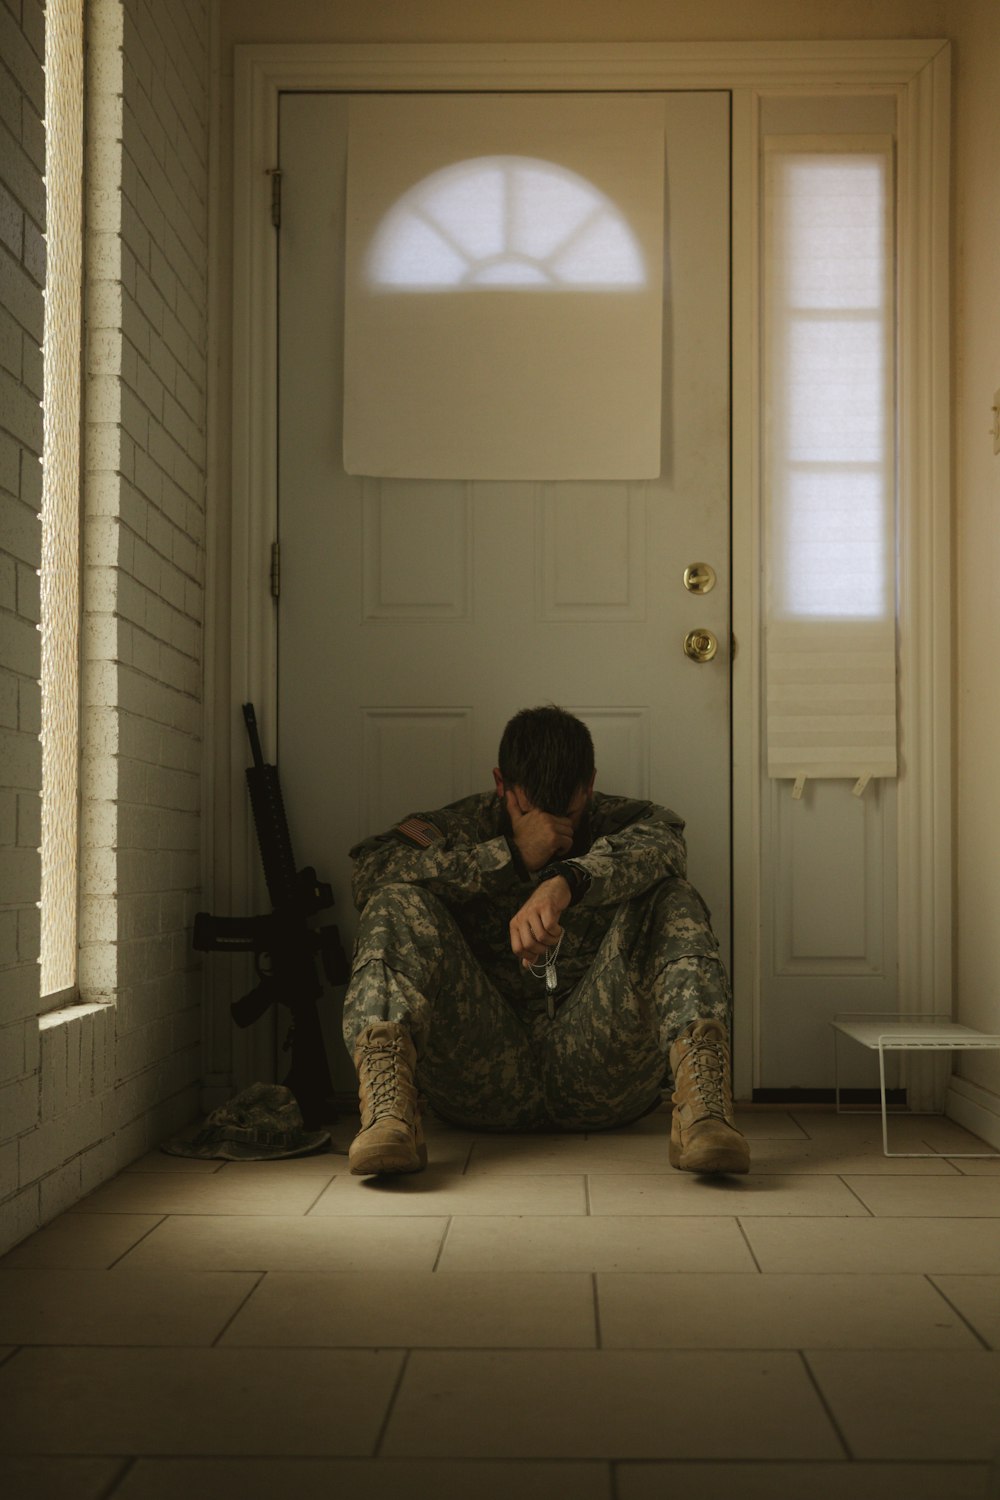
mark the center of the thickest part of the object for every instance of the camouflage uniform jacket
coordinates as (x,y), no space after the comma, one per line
(465,855)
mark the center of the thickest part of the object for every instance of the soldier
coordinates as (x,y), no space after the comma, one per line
(532,959)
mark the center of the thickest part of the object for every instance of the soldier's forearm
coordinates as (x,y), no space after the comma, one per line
(457,874)
(626,864)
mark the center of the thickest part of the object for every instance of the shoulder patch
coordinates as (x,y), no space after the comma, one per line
(419,831)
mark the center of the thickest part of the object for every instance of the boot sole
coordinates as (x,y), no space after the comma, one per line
(381,1161)
(720,1162)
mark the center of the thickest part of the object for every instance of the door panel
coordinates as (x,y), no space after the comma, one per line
(416,616)
(828,927)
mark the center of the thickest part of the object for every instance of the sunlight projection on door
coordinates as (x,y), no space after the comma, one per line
(505,221)
(503,295)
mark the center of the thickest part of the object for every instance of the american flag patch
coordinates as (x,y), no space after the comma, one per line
(419,832)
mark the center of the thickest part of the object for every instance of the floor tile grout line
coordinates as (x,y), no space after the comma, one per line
(116,1483)
(391,1405)
(869,1211)
(799,1125)
(940,1155)
(696,1348)
(929,1276)
(448,1460)
(151,1230)
(323,1190)
(444,1240)
(960,1156)
(755,1350)
(834,1465)
(811,1377)
(239,1213)
(598,1335)
(837,1465)
(237,1310)
(746,1240)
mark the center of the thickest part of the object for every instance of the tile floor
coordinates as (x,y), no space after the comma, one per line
(540,1317)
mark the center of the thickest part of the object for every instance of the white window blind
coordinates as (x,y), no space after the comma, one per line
(829,457)
(504,287)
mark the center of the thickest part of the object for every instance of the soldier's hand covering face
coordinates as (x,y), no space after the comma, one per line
(540,836)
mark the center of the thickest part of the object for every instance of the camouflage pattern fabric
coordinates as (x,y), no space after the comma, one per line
(638,963)
(262,1123)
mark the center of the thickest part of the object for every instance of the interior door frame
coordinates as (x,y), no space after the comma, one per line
(242,630)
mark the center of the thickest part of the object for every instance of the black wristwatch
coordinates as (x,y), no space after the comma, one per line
(575,876)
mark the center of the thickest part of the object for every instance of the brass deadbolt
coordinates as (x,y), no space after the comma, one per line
(699,578)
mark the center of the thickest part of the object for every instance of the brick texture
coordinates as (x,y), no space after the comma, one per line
(102,1081)
(22,226)
(145,445)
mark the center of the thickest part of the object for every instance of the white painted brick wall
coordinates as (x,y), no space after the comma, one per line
(100,1083)
(22,263)
(146,362)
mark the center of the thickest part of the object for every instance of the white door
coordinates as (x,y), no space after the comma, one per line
(416,616)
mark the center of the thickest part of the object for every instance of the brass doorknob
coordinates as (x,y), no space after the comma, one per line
(699,578)
(700,645)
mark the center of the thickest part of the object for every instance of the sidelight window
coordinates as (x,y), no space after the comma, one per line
(829,456)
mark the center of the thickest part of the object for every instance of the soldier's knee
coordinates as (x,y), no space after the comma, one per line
(402,902)
(675,901)
(401,918)
(675,924)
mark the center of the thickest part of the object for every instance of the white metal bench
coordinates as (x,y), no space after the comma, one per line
(900,1033)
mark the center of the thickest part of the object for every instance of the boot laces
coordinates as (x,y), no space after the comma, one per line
(708,1062)
(383,1069)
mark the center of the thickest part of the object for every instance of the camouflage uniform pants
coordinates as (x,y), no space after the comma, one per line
(492,1062)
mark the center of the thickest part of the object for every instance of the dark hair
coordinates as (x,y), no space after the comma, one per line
(549,754)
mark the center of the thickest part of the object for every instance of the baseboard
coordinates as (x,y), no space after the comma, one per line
(976,1108)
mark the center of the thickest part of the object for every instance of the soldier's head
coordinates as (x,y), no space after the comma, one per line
(547,755)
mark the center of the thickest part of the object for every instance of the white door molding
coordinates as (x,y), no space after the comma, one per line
(918,74)
(925,729)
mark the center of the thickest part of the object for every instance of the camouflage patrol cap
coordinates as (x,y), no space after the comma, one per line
(262,1123)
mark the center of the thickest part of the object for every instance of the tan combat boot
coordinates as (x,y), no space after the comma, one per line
(391,1138)
(703,1133)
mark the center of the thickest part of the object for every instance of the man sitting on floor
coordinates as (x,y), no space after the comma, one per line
(533,959)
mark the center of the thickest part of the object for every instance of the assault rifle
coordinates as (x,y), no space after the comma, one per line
(284,945)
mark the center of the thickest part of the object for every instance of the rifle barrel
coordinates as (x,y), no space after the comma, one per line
(251,722)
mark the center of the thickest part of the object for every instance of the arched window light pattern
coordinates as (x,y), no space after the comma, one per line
(505,222)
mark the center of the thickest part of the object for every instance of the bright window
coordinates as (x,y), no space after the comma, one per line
(829,388)
(60,573)
(829,457)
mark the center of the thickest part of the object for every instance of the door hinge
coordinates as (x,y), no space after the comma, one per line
(275,570)
(275,175)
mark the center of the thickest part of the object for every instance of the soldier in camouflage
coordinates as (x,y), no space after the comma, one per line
(533,959)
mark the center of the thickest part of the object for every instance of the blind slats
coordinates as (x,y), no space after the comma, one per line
(829,470)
